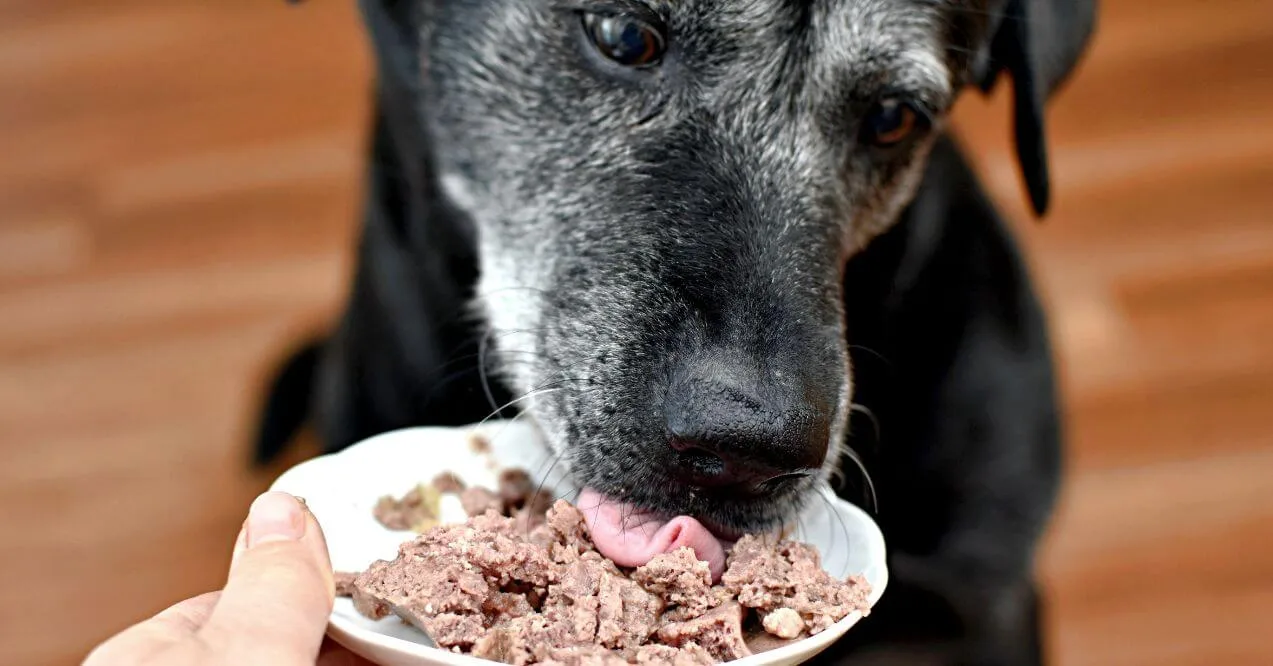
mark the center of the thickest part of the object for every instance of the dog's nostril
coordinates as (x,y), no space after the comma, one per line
(701,462)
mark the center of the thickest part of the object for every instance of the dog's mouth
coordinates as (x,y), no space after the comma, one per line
(632,536)
(635,528)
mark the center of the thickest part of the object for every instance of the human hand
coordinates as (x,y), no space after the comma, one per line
(272,611)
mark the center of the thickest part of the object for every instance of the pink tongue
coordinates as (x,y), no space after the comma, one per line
(632,538)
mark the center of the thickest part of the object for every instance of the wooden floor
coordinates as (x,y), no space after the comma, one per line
(178,187)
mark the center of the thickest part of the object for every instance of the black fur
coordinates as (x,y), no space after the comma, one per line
(959,423)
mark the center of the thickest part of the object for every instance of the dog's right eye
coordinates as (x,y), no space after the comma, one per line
(625,40)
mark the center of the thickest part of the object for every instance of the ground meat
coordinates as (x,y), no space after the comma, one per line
(522,583)
(344,583)
(515,487)
(417,510)
(448,630)
(448,482)
(477,501)
(369,606)
(566,523)
(789,574)
(690,654)
(627,614)
(502,606)
(681,579)
(719,631)
(525,521)
(436,591)
(539,502)
(583,655)
(500,555)
(505,643)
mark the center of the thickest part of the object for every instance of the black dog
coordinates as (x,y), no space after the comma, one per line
(666,227)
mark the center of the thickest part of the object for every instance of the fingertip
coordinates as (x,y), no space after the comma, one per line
(276,516)
(281,588)
(316,540)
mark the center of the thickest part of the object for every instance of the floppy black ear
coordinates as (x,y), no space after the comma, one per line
(1038,42)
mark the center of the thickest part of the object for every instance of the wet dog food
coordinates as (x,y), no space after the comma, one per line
(447,482)
(417,510)
(521,583)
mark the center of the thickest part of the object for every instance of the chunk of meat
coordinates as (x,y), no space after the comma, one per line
(627,614)
(417,510)
(344,581)
(448,482)
(789,574)
(477,501)
(515,487)
(689,654)
(681,579)
(719,631)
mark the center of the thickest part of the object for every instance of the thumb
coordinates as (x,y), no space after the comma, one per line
(275,605)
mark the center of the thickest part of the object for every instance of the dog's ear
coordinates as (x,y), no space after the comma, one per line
(1038,43)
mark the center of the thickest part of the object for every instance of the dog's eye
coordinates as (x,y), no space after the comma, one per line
(890,122)
(625,40)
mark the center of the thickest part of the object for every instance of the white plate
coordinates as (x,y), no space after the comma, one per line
(342,488)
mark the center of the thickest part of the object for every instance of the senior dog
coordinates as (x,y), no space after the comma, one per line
(716,250)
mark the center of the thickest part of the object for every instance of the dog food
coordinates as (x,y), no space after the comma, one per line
(345,583)
(447,482)
(788,576)
(417,510)
(515,487)
(521,583)
(477,501)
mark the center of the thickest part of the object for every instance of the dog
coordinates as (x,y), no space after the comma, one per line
(721,252)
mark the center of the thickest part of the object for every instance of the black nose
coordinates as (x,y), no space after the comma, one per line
(744,434)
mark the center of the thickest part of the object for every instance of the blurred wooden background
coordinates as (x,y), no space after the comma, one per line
(178,191)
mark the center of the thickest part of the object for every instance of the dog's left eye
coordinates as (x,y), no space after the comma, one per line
(890,122)
(625,40)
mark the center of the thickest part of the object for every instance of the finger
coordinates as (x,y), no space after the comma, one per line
(188,616)
(280,591)
(171,625)
(240,544)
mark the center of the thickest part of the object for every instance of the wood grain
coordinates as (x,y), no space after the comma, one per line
(179,182)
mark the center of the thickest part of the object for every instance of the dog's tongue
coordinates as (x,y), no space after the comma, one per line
(631,538)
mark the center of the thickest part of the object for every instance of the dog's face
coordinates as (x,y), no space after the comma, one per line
(665,194)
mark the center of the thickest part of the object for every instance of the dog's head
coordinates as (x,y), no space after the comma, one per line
(664,194)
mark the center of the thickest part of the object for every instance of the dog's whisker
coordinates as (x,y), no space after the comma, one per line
(870,351)
(481,367)
(844,528)
(543,478)
(875,422)
(852,454)
(526,396)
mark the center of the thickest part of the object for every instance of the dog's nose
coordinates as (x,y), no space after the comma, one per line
(747,438)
